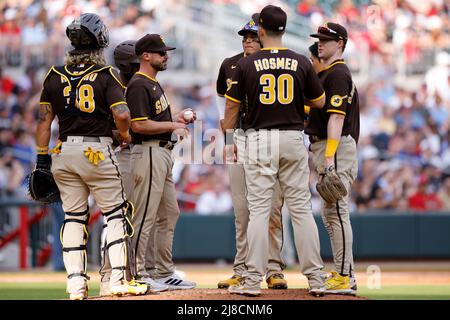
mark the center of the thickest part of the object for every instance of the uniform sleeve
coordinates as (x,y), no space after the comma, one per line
(313,87)
(221,84)
(138,102)
(114,92)
(235,89)
(45,93)
(338,90)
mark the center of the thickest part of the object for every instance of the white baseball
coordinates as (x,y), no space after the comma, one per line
(188,115)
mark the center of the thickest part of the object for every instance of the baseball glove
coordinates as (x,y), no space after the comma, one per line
(42,186)
(330,186)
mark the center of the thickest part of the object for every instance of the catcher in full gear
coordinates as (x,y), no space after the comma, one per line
(334,132)
(85,95)
(126,60)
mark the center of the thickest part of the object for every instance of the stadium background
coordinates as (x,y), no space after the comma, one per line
(398,51)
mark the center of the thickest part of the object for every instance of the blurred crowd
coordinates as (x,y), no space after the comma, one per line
(404,149)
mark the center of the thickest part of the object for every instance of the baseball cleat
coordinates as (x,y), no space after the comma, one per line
(153,286)
(104,290)
(77,288)
(245,291)
(225,284)
(317,291)
(174,282)
(338,284)
(353,286)
(276,281)
(132,288)
(78,296)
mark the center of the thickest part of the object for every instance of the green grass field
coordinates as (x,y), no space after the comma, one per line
(46,291)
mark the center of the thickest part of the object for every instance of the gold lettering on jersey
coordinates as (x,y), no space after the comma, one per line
(229,83)
(276,63)
(63,79)
(92,77)
(161,104)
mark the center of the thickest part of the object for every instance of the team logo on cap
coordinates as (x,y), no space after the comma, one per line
(251,24)
(162,39)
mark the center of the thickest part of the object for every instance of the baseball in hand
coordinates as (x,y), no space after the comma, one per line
(188,115)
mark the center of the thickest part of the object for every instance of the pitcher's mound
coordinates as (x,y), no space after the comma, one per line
(222,294)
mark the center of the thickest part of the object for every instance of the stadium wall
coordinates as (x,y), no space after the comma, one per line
(380,235)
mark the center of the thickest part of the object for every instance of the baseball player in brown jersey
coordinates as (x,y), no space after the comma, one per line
(334,133)
(276,82)
(127,62)
(274,275)
(154,189)
(85,94)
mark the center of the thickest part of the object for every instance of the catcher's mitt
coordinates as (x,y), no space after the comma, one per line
(330,186)
(42,186)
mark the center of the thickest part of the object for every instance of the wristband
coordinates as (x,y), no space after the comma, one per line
(42,150)
(306,109)
(331,148)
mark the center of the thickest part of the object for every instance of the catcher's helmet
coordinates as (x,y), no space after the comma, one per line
(124,56)
(87,33)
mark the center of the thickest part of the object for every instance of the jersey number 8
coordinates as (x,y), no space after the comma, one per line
(281,89)
(85,98)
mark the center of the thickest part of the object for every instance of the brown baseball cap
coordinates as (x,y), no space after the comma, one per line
(151,43)
(331,31)
(273,18)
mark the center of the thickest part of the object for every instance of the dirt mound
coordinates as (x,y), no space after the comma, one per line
(220,294)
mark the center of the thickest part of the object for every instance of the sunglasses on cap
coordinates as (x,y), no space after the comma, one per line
(331,32)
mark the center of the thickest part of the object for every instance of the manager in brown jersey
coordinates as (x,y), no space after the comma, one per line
(127,62)
(334,133)
(154,190)
(276,82)
(274,275)
(84,94)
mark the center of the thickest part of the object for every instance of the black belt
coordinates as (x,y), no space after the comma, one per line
(85,139)
(166,144)
(162,143)
(313,139)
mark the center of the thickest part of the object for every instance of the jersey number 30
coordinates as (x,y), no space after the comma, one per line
(281,88)
(85,98)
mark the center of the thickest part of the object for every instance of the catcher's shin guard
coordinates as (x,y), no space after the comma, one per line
(74,237)
(119,230)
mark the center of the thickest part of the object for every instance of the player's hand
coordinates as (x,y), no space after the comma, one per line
(124,142)
(180,129)
(181,116)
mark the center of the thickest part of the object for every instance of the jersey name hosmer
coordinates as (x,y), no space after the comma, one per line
(275,64)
